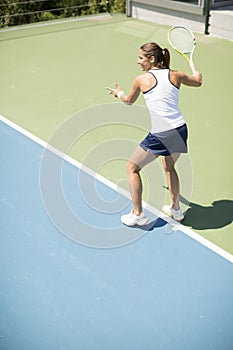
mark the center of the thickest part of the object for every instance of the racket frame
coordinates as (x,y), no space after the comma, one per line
(187,55)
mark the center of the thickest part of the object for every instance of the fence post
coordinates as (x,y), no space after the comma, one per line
(207,16)
(107,2)
(128,8)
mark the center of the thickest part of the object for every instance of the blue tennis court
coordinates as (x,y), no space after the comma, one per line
(153,288)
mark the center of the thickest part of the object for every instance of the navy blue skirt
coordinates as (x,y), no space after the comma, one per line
(167,142)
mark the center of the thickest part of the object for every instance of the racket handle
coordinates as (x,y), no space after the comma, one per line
(196,74)
(192,66)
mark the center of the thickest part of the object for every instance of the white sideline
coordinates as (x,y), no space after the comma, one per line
(173,224)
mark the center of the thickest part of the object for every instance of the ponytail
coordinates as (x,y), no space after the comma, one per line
(166,58)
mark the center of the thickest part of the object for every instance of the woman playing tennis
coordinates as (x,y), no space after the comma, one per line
(168,135)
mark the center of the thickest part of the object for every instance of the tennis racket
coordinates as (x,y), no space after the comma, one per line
(183,41)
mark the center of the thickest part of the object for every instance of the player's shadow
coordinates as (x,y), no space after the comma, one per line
(218,214)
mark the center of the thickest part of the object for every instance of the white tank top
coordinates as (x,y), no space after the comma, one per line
(162,102)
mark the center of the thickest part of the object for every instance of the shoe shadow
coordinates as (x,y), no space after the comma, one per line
(218,214)
(159,222)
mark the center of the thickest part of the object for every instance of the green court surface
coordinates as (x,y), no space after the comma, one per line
(56,72)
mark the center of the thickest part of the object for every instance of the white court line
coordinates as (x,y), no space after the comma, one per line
(174,225)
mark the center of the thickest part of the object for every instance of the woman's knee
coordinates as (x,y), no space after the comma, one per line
(132,168)
(169,162)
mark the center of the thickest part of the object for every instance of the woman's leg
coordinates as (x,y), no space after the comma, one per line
(172,179)
(135,185)
(139,159)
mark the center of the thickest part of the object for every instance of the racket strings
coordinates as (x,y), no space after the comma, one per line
(182,40)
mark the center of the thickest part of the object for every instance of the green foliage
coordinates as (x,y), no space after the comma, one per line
(14,12)
(118,5)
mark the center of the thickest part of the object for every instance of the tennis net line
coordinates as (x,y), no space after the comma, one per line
(13,13)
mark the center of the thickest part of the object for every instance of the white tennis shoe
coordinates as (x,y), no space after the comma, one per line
(174,214)
(131,219)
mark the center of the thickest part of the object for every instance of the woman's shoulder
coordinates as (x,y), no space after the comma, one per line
(175,76)
(145,81)
(144,76)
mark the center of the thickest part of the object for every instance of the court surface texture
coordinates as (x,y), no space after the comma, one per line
(72,277)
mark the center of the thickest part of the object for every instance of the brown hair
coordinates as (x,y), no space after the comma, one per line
(162,56)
